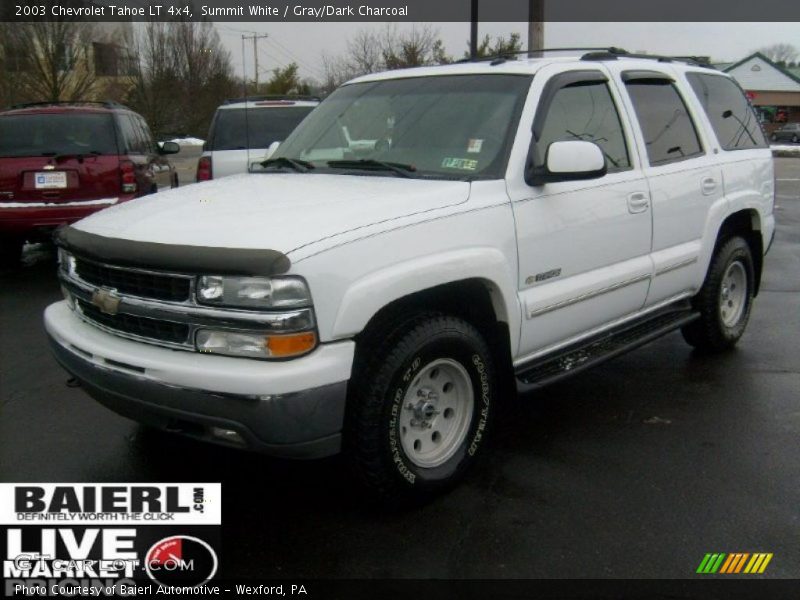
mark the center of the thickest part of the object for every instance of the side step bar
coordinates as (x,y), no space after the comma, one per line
(589,353)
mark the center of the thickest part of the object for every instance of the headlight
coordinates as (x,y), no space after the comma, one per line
(255,345)
(253,292)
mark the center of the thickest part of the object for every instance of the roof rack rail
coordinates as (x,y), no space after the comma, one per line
(273,97)
(604,53)
(101,103)
(616,53)
(513,55)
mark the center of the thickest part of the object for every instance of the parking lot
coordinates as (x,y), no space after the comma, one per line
(635,469)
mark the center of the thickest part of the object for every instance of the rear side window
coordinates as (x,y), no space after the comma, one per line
(131,135)
(585,111)
(669,133)
(149,144)
(235,130)
(732,118)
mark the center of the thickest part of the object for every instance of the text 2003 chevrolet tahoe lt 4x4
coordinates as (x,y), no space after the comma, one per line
(422,238)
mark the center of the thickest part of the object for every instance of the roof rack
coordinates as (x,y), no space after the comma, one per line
(273,97)
(513,55)
(102,104)
(616,53)
(606,53)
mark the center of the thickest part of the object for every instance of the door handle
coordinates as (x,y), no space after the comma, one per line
(638,202)
(708,186)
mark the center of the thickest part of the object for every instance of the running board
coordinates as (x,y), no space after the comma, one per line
(597,349)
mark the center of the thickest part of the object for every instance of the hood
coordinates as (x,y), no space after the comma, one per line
(282,211)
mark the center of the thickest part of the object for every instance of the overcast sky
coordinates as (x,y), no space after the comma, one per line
(305,43)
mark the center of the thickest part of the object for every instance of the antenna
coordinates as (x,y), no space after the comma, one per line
(246,122)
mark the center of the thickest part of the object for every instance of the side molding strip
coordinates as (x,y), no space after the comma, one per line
(677,265)
(587,296)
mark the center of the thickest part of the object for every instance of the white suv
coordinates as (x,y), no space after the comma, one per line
(244,131)
(423,239)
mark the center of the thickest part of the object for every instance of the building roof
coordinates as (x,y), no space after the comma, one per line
(775,79)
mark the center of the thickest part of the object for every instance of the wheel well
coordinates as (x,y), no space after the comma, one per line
(477,301)
(747,224)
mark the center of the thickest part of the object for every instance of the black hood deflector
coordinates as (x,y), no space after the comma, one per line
(169,257)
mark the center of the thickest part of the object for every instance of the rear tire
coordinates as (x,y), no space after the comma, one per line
(421,399)
(725,300)
(11,251)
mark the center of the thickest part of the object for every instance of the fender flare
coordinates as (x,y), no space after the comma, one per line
(366,296)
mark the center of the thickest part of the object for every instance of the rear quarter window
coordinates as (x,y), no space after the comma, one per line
(732,118)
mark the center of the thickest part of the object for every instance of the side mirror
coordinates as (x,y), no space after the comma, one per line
(571,160)
(271,150)
(169,148)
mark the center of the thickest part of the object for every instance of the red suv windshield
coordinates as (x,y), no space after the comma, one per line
(53,134)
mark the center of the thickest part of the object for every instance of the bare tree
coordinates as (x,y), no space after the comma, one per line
(153,93)
(51,60)
(364,52)
(369,52)
(501,46)
(781,54)
(184,74)
(416,47)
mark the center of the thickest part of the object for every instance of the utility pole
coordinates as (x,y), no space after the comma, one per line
(473,29)
(535,26)
(255,37)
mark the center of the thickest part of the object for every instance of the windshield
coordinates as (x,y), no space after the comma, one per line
(266,125)
(52,134)
(455,126)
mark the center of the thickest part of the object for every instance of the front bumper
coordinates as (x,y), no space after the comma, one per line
(293,409)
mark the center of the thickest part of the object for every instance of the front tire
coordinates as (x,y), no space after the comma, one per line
(421,400)
(725,300)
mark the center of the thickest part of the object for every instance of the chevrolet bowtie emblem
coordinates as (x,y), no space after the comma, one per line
(106,300)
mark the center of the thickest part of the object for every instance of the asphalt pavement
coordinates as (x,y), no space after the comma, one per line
(635,469)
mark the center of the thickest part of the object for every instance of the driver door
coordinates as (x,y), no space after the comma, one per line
(584,246)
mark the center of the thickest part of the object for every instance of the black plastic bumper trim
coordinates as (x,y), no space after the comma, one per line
(301,425)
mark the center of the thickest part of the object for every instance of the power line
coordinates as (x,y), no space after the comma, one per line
(290,56)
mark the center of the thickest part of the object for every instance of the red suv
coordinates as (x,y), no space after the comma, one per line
(60,162)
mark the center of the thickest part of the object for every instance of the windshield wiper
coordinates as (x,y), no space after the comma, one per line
(284,161)
(370,164)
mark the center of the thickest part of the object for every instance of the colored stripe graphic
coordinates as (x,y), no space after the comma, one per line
(732,558)
(711,563)
(734,563)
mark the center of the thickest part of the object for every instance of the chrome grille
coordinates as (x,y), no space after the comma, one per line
(142,327)
(143,284)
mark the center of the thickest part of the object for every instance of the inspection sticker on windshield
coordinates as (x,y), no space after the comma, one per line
(465,164)
(51,180)
(474,145)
